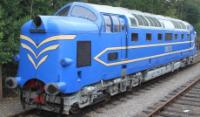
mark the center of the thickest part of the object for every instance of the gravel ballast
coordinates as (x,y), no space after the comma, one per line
(10,106)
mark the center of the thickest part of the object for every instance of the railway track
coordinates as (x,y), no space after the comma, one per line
(183,102)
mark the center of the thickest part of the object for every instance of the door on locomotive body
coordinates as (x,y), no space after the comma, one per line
(194,42)
(114,37)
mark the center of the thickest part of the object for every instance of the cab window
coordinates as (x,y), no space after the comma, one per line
(122,24)
(116,23)
(82,12)
(108,23)
(64,11)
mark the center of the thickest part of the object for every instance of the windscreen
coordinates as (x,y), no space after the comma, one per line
(63,12)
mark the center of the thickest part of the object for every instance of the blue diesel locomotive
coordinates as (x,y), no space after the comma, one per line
(85,53)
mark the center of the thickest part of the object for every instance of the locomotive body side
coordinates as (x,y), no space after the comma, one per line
(86,52)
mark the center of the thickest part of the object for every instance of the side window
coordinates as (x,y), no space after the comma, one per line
(148,36)
(134,37)
(176,36)
(168,36)
(188,36)
(160,36)
(158,24)
(182,36)
(133,22)
(145,21)
(116,23)
(64,11)
(150,20)
(140,21)
(112,56)
(82,12)
(108,23)
(122,24)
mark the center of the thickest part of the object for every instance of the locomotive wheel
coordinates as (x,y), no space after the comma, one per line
(61,107)
(107,97)
(38,112)
(75,109)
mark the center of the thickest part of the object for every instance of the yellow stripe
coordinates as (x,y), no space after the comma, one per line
(32,61)
(28,39)
(54,38)
(60,37)
(53,47)
(29,49)
(41,61)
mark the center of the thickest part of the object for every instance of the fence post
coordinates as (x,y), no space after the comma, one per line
(1,79)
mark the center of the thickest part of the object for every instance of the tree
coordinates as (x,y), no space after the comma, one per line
(191,12)
(1,36)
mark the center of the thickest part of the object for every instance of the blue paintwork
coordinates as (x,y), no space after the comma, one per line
(53,71)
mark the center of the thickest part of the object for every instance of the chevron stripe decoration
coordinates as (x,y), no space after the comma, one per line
(54,38)
(43,51)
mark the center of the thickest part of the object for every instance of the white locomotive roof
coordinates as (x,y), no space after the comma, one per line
(166,22)
(111,9)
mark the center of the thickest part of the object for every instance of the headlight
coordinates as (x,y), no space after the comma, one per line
(37,21)
(11,82)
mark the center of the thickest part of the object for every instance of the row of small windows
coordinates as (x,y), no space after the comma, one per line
(145,21)
(151,21)
(168,36)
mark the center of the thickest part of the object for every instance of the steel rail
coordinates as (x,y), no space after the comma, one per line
(159,108)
